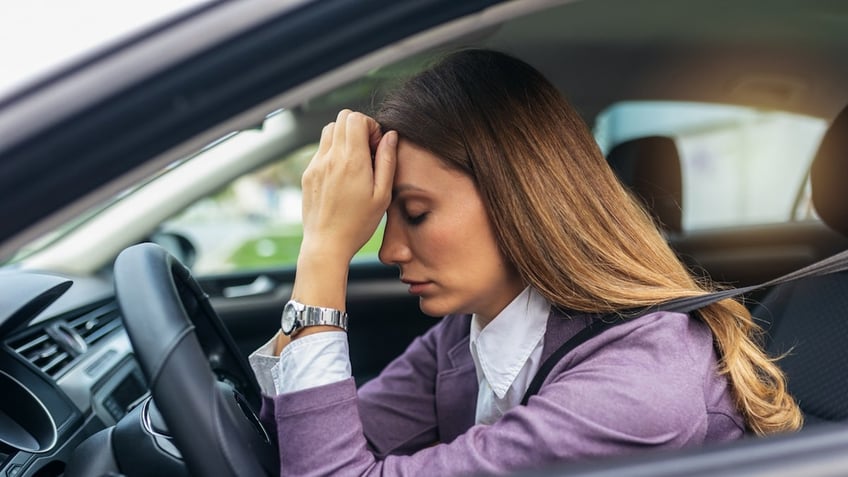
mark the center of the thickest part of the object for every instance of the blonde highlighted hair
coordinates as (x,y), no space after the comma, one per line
(560,215)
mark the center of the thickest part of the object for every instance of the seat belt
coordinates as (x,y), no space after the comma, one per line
(832,264)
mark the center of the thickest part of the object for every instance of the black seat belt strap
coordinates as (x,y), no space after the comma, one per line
(594,328)
(832,264)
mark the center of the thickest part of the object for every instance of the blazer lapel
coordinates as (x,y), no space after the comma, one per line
(561,327)
(456,392)
(456,382)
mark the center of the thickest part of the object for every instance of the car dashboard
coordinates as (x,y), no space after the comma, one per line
(66,368)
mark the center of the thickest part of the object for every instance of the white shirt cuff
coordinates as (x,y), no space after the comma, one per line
(263,361)
(308,362)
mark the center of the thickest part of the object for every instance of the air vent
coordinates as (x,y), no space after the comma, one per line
(53,347)
(93,326)
(43,352)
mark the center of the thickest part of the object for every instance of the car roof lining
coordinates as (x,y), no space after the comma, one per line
(603,51)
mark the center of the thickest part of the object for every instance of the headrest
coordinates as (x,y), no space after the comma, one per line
(829,175)
(650,167)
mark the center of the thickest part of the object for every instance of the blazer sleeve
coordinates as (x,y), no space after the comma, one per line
(635,388)
(398,407)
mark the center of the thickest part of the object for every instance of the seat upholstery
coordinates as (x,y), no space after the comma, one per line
(809,318)
(650,167)
(829,175)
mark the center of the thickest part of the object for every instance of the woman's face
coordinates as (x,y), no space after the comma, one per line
(438,233)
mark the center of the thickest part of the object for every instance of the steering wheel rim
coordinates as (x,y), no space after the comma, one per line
(203,387)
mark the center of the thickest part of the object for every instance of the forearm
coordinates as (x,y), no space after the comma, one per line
(321,280)
(321,277)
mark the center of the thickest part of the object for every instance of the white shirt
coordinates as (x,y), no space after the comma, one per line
(506,355)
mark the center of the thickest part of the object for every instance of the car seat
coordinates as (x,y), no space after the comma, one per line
(808,319)
(650,167)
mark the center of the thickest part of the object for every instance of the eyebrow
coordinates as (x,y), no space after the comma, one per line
(405,187)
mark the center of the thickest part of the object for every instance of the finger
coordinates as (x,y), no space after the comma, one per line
(358,135)
(326,138)
(340,130)
(375,134)
(385,162)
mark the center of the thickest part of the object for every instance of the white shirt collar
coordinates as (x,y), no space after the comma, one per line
(501,349)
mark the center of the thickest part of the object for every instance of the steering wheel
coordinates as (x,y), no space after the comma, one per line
(200,382)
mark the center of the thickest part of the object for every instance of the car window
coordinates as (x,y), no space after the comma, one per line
(740,166)
(254,222)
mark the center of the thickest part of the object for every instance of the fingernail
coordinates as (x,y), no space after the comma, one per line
(392,139)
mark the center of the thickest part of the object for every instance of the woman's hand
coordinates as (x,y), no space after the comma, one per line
(344,196)
(344,199)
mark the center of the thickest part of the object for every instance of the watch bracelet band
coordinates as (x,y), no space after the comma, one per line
(315,315)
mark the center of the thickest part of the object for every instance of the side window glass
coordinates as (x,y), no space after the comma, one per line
(740,166)
(254,222)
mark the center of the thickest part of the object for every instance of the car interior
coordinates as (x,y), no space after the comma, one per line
(805,319)
(702,109)
(802,319)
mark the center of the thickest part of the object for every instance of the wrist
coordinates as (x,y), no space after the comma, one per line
(298,317)
(312,251)
(320,281)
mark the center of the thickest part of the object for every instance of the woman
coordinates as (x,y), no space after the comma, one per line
(503,215)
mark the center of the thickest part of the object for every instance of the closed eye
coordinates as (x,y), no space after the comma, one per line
(417,219)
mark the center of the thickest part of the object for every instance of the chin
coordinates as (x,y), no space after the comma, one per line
(434,308)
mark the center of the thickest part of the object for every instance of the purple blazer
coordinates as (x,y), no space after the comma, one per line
(651,383)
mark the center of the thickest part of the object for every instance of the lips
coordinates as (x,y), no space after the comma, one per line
(416,287)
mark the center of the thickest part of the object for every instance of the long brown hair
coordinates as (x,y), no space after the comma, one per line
(561,217)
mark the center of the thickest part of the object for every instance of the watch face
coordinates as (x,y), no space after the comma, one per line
(289,319)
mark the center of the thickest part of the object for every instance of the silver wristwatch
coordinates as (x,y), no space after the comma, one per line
(296,315)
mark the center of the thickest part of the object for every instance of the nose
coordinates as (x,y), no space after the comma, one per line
(395,248)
